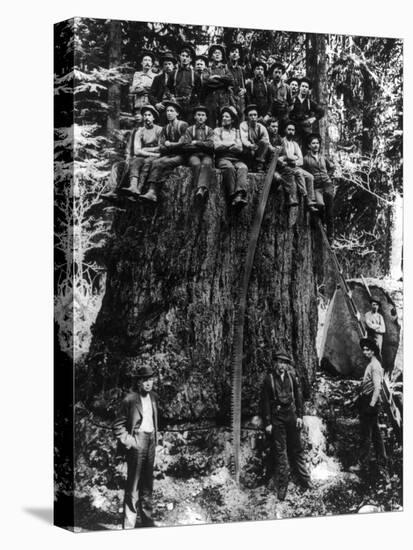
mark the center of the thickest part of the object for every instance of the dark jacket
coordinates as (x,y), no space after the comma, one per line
(129,418)
(204,138)
(174,134)
(160,89)
(284,393)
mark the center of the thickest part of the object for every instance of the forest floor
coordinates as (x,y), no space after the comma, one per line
(193,483)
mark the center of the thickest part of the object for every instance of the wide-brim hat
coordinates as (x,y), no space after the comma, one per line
(250,107)
(167,56)
(174,104)
(150,108)
(259,64)
(370,344)
(145,372)
(147,53)
(200,108)
(231,110)
(188,47)
(203,57)
(236,45)
(277,65)
(217,47)
(284,357)
(305,79)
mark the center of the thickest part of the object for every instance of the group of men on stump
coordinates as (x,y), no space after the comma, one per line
(136,429)
(209,114)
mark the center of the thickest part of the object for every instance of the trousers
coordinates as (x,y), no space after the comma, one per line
(140,167)
(201,165)
(287,445)
(139,482)
(370,432)
(324,195)
(234,175)
(252,158)
(162,168)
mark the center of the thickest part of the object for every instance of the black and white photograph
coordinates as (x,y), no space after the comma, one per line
(228,274)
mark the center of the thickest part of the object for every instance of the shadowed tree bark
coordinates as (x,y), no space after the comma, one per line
(173,273)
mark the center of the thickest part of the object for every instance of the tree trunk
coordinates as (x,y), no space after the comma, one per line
(115,43)
(396,232)
(173,275)
(316,67)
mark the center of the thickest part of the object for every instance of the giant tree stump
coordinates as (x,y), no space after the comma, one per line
(173,273)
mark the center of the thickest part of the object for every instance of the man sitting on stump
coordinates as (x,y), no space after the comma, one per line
(283,419)
(228,154)
(254,139)
(170,146)
(198,143)
(321,169)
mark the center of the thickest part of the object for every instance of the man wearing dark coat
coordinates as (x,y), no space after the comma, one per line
(170,147)
(184,82)
(258,91)
(218,86)
(234,67)
(280,95)
(283,419)
(160,88)
(136,429)
(198,144)
(305,112)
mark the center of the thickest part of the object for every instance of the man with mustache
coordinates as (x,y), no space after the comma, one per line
(142,82)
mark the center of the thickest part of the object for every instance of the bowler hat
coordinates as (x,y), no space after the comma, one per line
(250,107)
(277,65)
(217,47)
(150,108)
(284,357)
(231,110)
(174,104)
(145,372)
(167,56)
(259,64)
(305,79)
(374,300)
(370,344)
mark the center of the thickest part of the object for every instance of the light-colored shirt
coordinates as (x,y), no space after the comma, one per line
(251,135)
(375,322)
(147,414)
(224,138)
(292,149)
(372,380)
(147,137)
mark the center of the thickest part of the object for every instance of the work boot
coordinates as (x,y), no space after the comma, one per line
(111,196)
(133,188)
(150,196)
(239,201)
(201,195)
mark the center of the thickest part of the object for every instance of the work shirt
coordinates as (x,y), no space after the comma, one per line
(202,133)
(159,90)
(224,81)
(303,109)
(372,380)
(280,99)
(251,135)
(318,165)
(183,81)
(147,414)
(275,139)
(292,149)
(172,132)
(224,138)
(146,137)
(281,392)
(375,322)
(141,85)
(238,77)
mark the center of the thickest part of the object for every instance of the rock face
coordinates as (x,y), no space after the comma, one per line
(173,273)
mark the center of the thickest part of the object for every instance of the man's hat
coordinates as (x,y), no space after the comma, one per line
(145,372)
(167,56)
(236,45)
(150,108)
(200,108)
(174,104)
(203,57)
(147,53)
(217,47)
(370,344)
(293,79)
(277,65)
(187,47)
(305,79)
(284,357)
(231,110)
(250,107)
(313,136)
(374,300)
(259,64)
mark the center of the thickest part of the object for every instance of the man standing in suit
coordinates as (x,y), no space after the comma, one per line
(136,429)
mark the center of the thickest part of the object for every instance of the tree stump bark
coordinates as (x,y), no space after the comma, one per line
(173,273)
